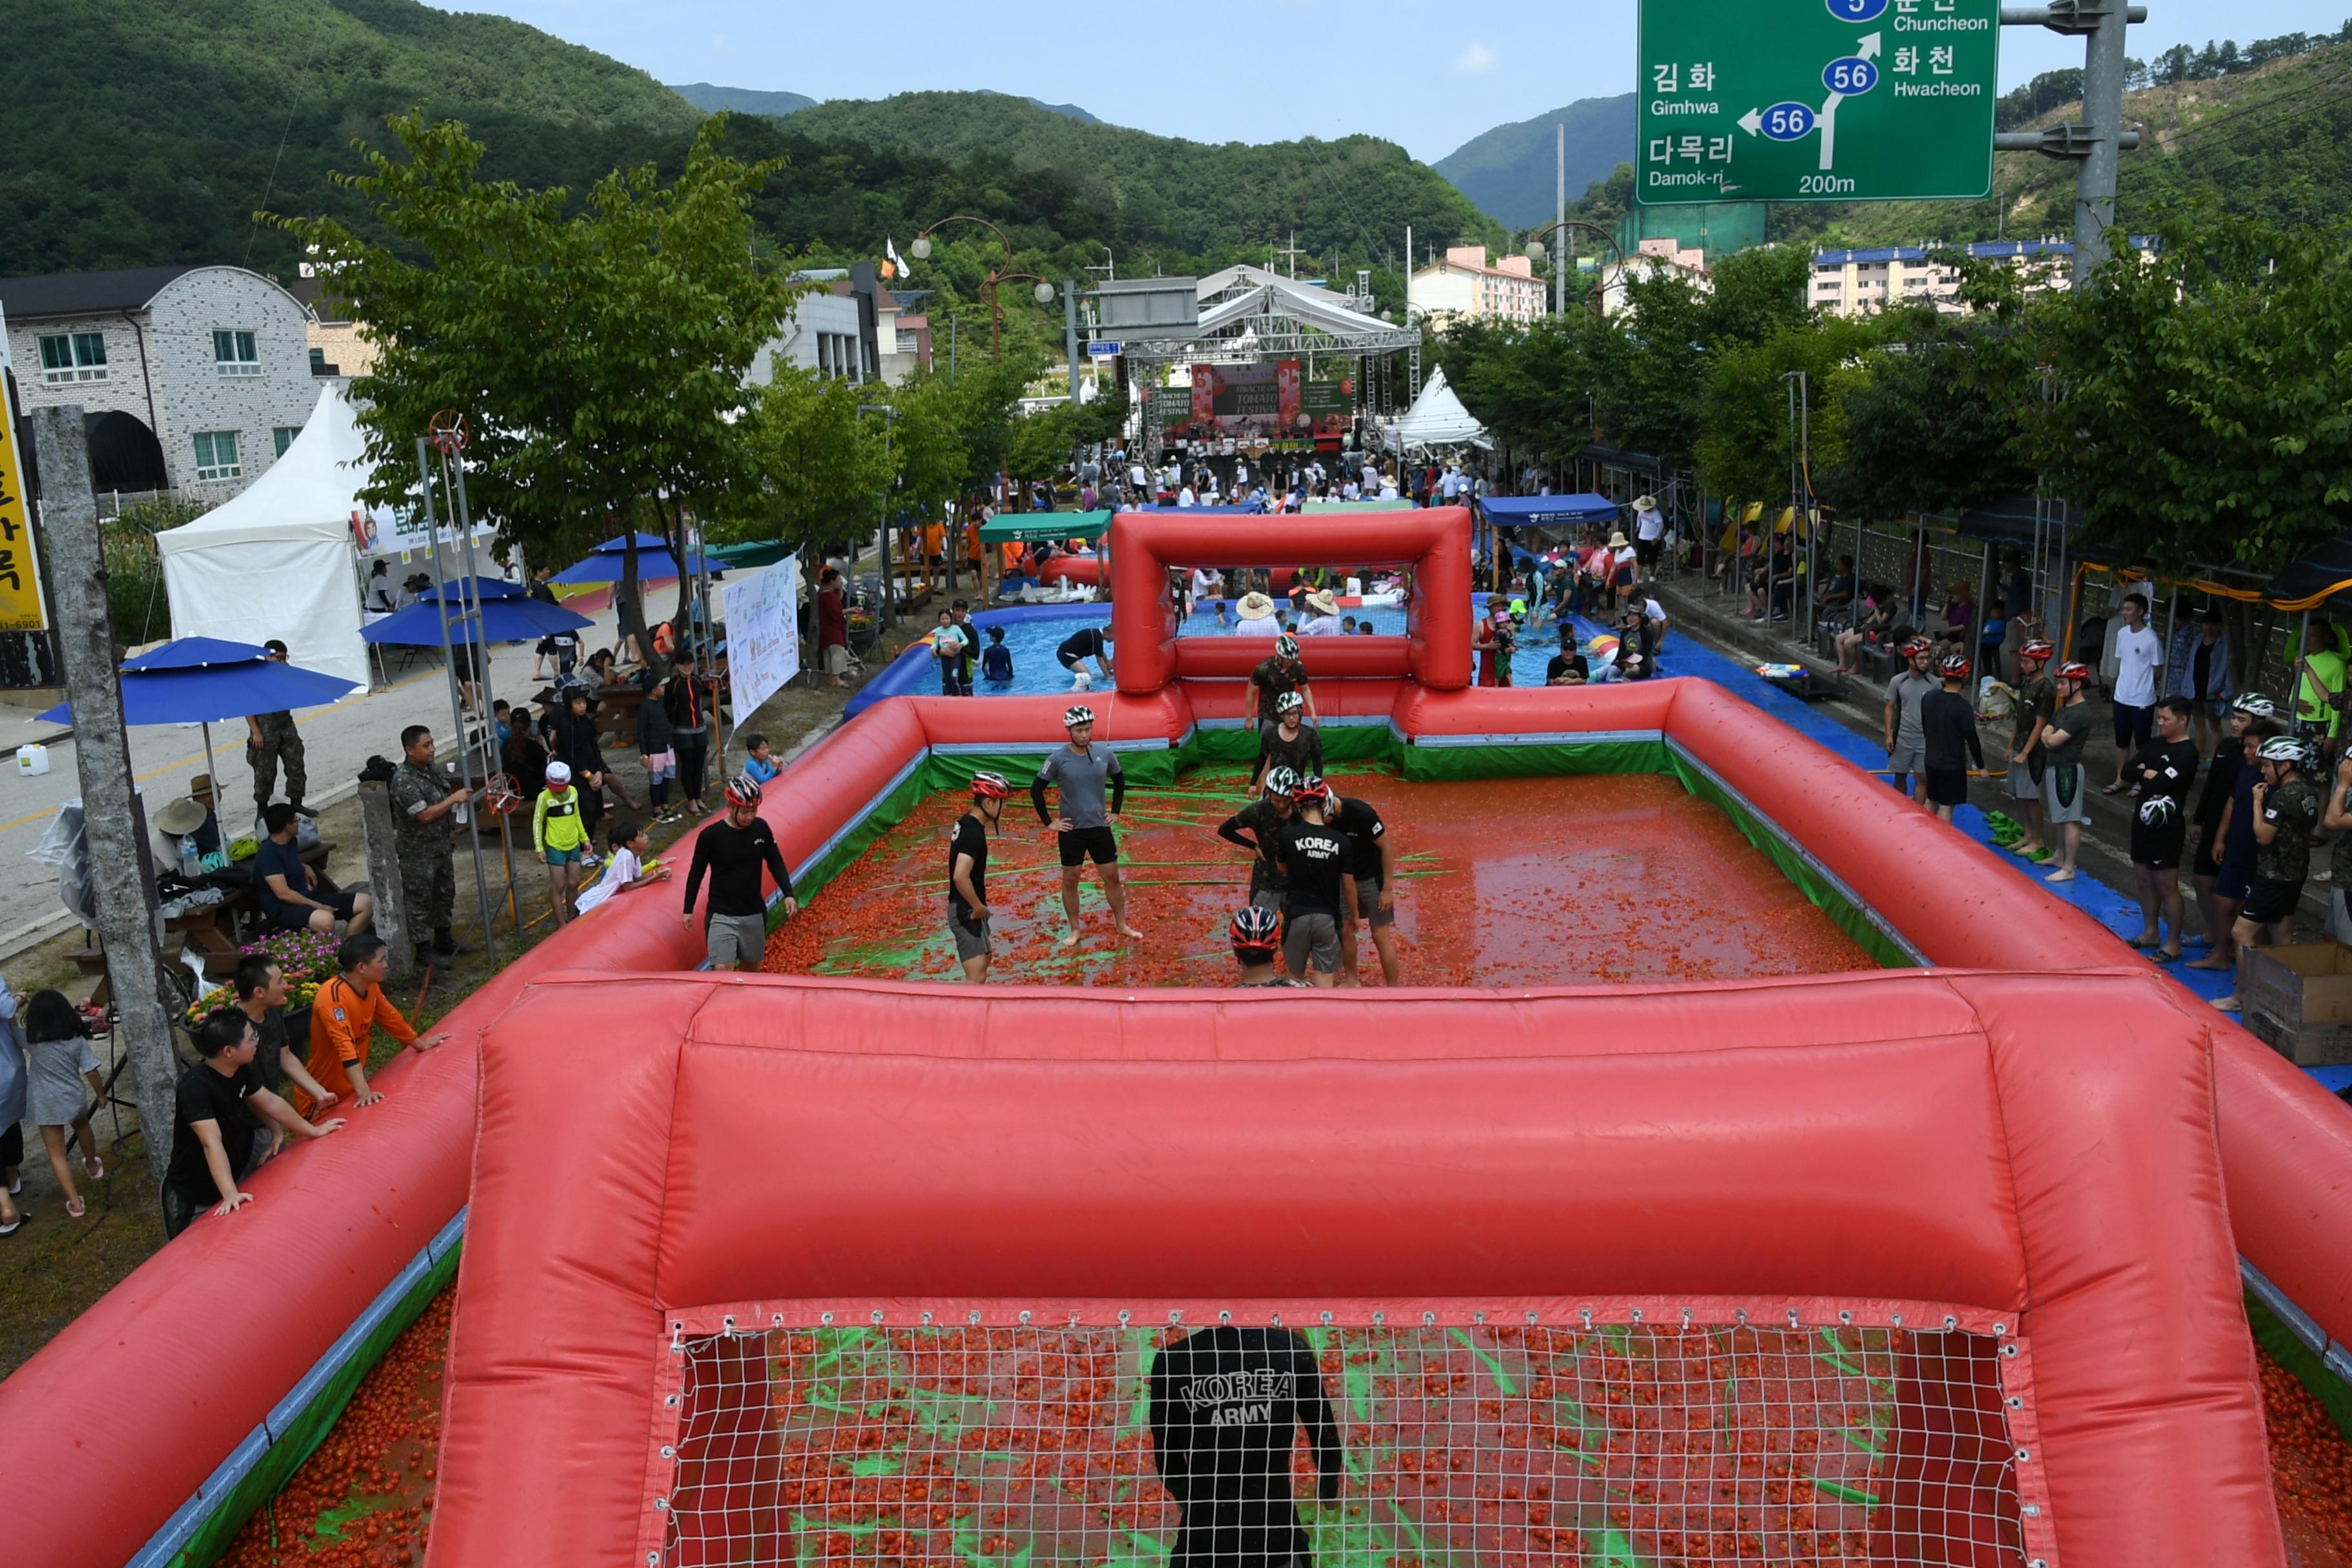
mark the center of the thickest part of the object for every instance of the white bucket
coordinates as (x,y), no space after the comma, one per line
(32,761)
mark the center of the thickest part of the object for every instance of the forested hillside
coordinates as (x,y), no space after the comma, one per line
(147,130)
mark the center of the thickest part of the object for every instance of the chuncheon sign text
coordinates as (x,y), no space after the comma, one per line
(1816,100)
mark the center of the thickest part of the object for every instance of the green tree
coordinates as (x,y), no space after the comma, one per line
(1748,437)
(2198,404)
(598,357)
(1922,433)
(820,461)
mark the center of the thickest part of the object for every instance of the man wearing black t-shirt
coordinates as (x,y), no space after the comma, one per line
(1318,886)
(2160,775)
(214,1125)
(734,851)
(1258,827)
(1568,667)
(968,911)
(1372,857)
(1226,1404)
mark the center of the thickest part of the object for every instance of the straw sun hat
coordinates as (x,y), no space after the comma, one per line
(1255,606)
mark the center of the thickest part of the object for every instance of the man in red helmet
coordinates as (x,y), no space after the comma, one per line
(1318,886)
(1947,721)
(2037,696)
(732,851)
(1256,933)
(968,911)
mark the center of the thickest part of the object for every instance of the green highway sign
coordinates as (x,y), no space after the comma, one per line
(1816,100)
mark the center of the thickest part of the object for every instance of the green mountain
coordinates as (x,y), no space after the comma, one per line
(1356,195)
(741,100)
(1511,171)
(147,130)
(2275,140)
(776,105)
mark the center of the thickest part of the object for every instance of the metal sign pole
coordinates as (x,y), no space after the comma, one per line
(470,606)
(456,688)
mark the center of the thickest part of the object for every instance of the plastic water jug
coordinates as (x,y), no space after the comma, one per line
(32,761)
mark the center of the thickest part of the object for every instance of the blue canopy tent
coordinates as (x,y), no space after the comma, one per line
(1500,512)
(195,681)
(508,615)
(1549,511)
(606,562)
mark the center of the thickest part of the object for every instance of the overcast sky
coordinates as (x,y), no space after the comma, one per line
(1428,74)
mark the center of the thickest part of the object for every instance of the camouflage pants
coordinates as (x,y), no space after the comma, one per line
(429,890)
(280,744)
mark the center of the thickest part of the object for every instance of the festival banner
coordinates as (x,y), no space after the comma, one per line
(20,576)
(764,632)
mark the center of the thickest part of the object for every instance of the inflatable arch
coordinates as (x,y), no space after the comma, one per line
(157,1400)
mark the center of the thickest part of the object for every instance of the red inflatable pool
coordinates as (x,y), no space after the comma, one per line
(2038,1156)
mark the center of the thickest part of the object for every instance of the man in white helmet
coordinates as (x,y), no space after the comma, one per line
(1092,791)
(2285,815)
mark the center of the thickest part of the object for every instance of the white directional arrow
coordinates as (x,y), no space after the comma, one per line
(1752,122)
(1868,50)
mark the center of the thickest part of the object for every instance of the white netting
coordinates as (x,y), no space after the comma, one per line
(1436,1445)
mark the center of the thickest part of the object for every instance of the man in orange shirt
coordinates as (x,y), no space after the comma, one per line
(343,1016)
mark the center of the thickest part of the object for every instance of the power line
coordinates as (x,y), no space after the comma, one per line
(300,82)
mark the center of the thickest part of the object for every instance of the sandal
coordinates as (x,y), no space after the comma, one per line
(76,1207)
(2164,955)
(93,1167)
(2146,944)
(12,1226)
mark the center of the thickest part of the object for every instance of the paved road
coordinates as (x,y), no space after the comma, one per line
(337,742)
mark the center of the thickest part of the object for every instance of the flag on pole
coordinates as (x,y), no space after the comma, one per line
(898,266)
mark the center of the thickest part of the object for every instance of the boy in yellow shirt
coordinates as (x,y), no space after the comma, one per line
(559,835)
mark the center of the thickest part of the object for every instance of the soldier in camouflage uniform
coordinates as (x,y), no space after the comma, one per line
(422,802)
(271,738)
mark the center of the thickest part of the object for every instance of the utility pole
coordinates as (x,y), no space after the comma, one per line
(128,932)
(1070,334)
(1559,231)
(2098,140)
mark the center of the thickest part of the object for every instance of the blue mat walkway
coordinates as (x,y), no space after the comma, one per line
(2112,910)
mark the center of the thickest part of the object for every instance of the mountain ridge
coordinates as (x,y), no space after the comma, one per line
(711,98)
(1510,171)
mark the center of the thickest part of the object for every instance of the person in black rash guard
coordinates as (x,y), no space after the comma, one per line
(1948,721)
(967,912)
(1288,743)
(1319,886)
(1080,646)
(1225,1405)
(1258,827)
(1372,856)
(734,851)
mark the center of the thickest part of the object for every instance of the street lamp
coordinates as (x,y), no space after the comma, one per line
(1043,293)
(1536,251)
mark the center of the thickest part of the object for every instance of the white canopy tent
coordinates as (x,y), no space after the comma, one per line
(1436,420)
(276,560)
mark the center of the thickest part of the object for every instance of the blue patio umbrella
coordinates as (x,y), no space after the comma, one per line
(195,681)
(605,562)
(504,619)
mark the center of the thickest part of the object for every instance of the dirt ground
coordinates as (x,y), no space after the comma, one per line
(54,1267)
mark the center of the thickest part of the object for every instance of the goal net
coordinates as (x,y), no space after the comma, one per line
(1450,1441)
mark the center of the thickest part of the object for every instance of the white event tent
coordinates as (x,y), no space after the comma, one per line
(1436,420)
(276,560)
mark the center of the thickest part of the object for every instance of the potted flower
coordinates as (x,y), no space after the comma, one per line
(308,959)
